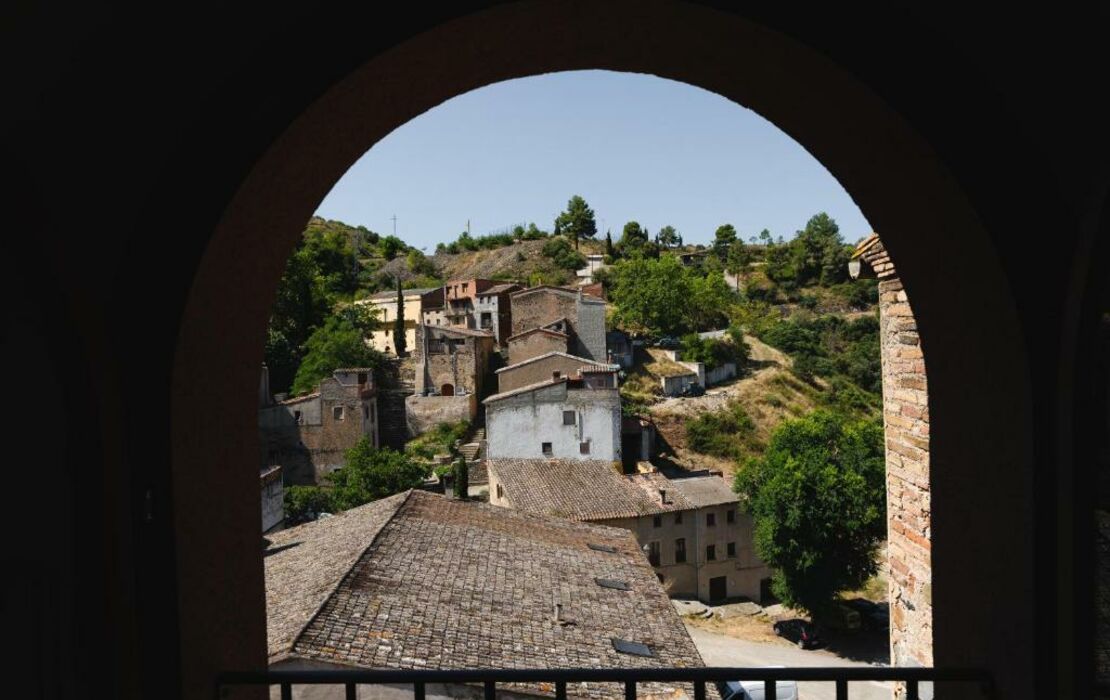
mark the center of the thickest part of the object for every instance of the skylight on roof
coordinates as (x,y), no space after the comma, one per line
(601,548)
(634,648)
(612,583)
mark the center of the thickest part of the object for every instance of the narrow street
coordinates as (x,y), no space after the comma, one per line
(723,650)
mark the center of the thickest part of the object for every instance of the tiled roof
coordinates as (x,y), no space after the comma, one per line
(586,363)
(525,389)
(392,294)
(444,584)
(304,564)
(500,289)
(298,399)
(704,491)
(462,330)
(582,489)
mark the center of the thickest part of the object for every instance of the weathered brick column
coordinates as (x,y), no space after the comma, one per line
(906,427)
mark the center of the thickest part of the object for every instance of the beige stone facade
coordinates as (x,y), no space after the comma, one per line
(384,305)
(450,361)
(906,427)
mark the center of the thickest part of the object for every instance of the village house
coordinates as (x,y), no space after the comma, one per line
(450,367)
(384,306)
(308,435)
(559,417)
(618,347)
(419,581)
(691,528)
(553,365)
(594,262)
(493,311)
(538,341)
(581,316)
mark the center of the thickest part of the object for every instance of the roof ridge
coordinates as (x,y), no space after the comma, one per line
(354,562)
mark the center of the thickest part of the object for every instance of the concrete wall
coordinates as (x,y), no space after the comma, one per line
(719,374)
(515,376)
(422,413)
(518,426)
(273,499)
(534,345)
(673,386)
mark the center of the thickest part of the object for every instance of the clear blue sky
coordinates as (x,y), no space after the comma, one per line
(636,147)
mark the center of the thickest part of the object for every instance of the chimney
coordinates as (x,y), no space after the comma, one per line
(663,495)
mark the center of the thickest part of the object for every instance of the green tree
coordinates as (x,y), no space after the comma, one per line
(660,296)
(560,252)
(371,473)
(668,237)
(305,503)
(400,342)
(724,237)
(633,237)
(609,252)
(462,478)
(765,238)
(340,342)
(391,246)
(817,497)
(738,259)
(577,221)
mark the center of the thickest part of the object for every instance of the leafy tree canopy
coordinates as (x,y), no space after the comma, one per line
(817,497)
(371,473)
(668,237)
(577,221)
(662,297)
(723,237)
(338,343)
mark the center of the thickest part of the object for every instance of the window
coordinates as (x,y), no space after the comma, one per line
(710,519)
(730,516)
(568,417)
(731,550)
(653,554)
(297,417)
(680,550)
(678,518)
(711,553)
(500,491)
(337,412)
(657,521)
(584,448)
(546,448)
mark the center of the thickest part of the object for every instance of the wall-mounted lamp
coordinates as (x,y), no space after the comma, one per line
(853,268)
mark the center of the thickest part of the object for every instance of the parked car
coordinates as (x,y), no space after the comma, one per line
(756,690)
(802,633)
(873,616)
(669,343)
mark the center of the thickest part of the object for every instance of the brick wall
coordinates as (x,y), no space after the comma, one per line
(535,344)
(906,423)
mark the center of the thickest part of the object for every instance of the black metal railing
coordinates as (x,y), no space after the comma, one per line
(557,679)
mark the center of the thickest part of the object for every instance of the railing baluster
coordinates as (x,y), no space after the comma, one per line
(286,691)
(418,690)
(699,690)
(911,690)
(770,692)
(351,695)
(841,689)
(560,690)
(491,690)
(630,690)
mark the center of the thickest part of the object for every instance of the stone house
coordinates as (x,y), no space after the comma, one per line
(691,528)
(419,581)
(536,342)
(384,304)
(450,367)
(594,262)
(583,315)
(552,365)
(308,435)
(493,311)
(564,418)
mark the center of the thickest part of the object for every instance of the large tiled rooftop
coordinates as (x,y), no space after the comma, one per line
(444,584)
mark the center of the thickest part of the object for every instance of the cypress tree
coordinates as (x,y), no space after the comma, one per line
(399,341)
(462,478)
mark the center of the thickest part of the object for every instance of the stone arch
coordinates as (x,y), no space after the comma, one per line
(980,400)
(447,390)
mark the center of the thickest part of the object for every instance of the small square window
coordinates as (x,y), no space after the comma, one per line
(731,550)
(546,448)
(711,553)
(710,519)
(337,413)
(584,448)
(568,417)
(730,516)
(657,521)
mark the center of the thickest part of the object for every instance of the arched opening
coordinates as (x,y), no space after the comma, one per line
(447,390)
(980,440)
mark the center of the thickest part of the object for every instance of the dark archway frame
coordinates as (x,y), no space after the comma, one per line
(980,399)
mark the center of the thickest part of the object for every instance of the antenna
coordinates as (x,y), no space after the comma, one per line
(394,224)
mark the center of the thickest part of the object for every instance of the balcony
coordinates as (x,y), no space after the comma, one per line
(562,683)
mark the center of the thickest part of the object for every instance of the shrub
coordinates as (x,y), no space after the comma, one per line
(728,433)
(305,503)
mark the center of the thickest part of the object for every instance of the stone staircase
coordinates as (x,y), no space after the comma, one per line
(472,450)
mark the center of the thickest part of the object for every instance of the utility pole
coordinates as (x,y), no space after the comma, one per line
(394,225)
(468,227)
